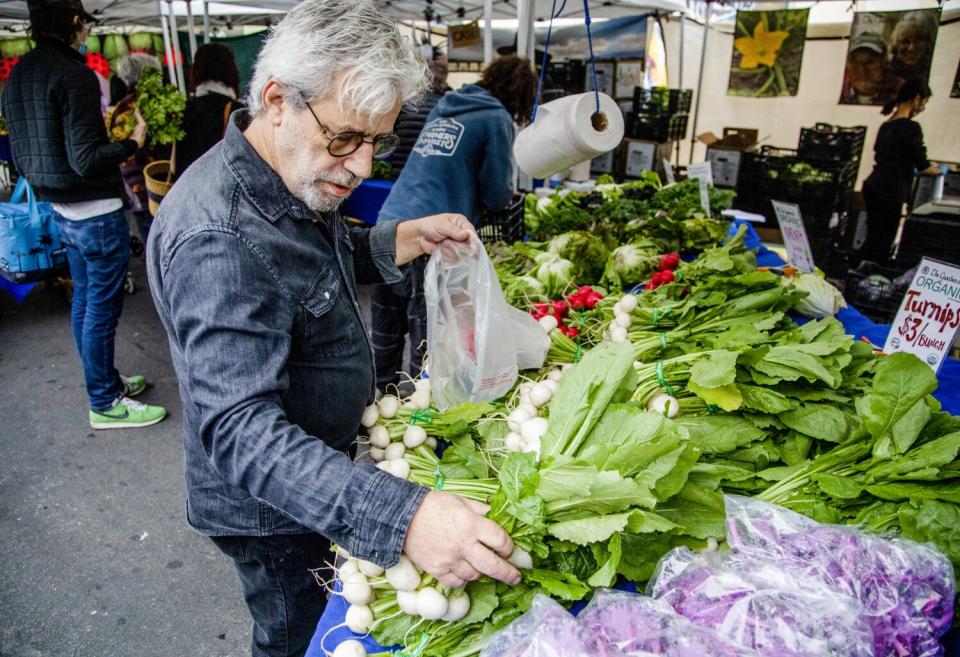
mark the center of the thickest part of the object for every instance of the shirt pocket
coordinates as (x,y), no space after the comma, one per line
(326,325)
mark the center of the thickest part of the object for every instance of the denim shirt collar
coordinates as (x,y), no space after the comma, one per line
(260,183)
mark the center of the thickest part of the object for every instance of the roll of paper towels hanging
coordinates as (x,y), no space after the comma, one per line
(566,132)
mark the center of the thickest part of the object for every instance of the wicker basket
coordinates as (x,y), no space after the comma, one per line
(158,176)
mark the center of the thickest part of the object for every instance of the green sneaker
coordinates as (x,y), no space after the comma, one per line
(133,385)
(127,414)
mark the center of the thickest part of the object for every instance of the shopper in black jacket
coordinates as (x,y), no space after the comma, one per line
(216,82)
(59,141)
(900,154)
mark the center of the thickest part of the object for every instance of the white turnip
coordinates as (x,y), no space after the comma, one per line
(388,405)
(394,451)
(403,576)
(513,442)
(533,429)
(379,436)
(356,590)
(377,454)
(664,404)
(370,416)
(431,604)
(369,568)
(628,303)
(517,417)
(521,558)
(350,648)
(458,605)
(549,323)
(540,395)
(414,436)
(407,601)
(555,375)
(359,618)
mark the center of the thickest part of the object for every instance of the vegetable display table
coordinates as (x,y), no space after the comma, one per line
(330,629)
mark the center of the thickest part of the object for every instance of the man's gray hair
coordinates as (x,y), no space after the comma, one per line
(132,66)
(321,44)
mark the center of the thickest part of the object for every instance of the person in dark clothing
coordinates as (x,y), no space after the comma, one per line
(900,152)
(59,141)
(216,82)
(412,117)
(462,162)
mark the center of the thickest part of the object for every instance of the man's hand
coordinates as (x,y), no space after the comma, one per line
(450,538)
(139,134)
(421,236)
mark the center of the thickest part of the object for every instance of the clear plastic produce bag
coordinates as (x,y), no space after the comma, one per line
(755,603)
(639,626)
(476,341)
(906,589)
(547,630)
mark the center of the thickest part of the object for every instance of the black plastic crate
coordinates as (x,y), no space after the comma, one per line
(657,128)
(830,142)
(874,291)
(935,236)
(821,188)
(661,101)
(505,225)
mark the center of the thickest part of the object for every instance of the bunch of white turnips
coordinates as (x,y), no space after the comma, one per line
(386,450)
(526,420)
(622,319)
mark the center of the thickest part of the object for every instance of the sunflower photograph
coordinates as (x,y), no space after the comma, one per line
(767,53)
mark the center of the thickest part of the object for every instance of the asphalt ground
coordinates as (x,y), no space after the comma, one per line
(96,558)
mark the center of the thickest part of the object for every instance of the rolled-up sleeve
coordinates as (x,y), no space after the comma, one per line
(375,253)
(235,340)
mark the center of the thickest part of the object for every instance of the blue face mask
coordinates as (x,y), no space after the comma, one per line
(83,48)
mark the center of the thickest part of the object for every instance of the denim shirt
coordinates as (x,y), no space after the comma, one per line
(258,296)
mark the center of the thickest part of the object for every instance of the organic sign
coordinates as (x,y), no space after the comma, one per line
(929,315)
(794,235)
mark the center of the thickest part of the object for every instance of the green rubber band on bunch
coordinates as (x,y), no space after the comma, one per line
(678,274)
(661,380)
(663,340)
(712,409)
(658,315)
(579,320)
(422,416)
(438,478)
(417,649)
(577,354)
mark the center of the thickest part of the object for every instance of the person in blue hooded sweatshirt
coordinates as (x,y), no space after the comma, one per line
(462,162)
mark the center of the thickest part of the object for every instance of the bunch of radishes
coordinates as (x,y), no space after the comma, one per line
(665,271)
(388,445)
(526,424)
(622,319)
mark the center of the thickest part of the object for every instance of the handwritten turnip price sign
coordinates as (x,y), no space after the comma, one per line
(794,235)
(929,315)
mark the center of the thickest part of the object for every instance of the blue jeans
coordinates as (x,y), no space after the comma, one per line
(284,598)
(98,250)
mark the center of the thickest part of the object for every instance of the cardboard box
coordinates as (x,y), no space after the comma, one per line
(741,139)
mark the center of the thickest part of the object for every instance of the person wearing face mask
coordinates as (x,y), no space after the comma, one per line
(254,274)
(899,151)
(51,103)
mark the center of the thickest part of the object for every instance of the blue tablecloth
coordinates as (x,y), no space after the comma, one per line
(18,291)
(367,199)
(853,321)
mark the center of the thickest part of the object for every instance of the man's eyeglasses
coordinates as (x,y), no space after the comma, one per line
(347,143)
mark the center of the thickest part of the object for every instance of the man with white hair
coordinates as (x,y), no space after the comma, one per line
(254,276)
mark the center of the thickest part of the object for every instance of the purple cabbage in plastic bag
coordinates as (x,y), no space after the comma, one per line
(755,603)
(643,627)
(547,630)
(907,589)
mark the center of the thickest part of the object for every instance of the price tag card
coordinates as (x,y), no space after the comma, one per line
(794,235)
(668,171)
(700,171)
(929,314)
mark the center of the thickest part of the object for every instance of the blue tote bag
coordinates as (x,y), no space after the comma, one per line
(29,236)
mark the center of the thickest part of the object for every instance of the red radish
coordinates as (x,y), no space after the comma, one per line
(560,308)
(666,276)
(573,332)
(670,261)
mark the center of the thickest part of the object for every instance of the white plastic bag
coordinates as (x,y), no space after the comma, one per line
(476,341)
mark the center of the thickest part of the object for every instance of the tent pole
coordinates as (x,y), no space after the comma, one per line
(703,59)
(167,50)
(178,55)
(191,30)
(525,35)
(683,22)
(487,32)
(206,21)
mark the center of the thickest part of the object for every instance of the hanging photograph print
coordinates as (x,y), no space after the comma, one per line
(767,53)
(886,48)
